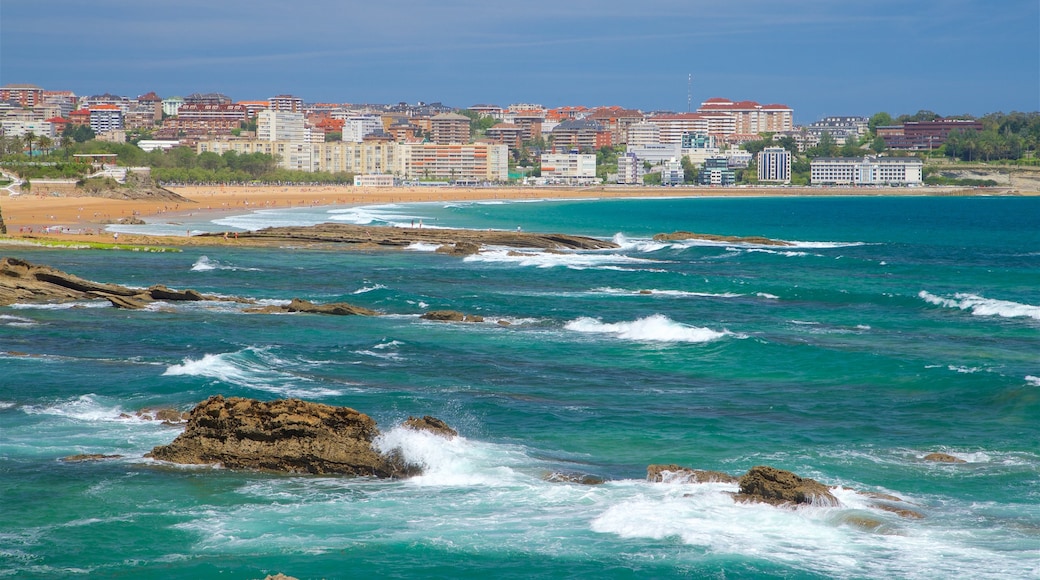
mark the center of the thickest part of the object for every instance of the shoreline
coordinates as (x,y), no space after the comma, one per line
(80,218)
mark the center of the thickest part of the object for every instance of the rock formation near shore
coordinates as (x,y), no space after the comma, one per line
(778,487)
(756,240)
(677,474)
(22,281)
(451,316)
(458,242)
(287,435)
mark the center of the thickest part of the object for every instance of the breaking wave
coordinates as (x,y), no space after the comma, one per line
(982,306)
(655,328)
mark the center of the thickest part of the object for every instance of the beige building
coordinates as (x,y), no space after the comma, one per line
(449,128)
(476,162)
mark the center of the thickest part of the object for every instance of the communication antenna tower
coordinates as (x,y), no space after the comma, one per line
(689,93)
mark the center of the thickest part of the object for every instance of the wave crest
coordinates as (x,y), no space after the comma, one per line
(982,306)
(654,328)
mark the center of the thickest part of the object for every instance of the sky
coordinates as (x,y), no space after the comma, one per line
(820,57)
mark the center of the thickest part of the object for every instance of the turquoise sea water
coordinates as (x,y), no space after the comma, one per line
(893,328)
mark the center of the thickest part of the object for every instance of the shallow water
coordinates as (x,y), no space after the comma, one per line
(891,328)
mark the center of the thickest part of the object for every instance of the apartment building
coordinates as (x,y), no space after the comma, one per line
(28,96)
(287,103)
(583,135)
(449,128)
(509,134)
(749,117)
(200,120)
(569,168)
(644,133)
(866,171)
(630,169)
(617,121)
(673,125)
(273,125)
(467,163)
(672,172)
(924,135)
(357,127)
(106,118)
(774,164)
(716,171)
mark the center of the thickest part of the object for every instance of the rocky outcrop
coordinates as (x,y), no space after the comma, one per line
(460,242)
(431,424)
(22,281)
(308,307)
(577,478)
(943,458)
(287,435)
(755,240)
(778,487)
(459,249)
(677,474)
(451,316)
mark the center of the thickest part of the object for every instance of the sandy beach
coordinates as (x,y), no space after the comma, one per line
(29,215)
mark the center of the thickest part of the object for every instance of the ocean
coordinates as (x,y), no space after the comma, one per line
(891,328)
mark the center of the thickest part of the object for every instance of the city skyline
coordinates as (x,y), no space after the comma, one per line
(952,57)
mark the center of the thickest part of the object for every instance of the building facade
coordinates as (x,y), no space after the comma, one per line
(774,164)
(449,129)
(463,163)
(105,118)
(274,125)
(630,169)
(569,168)
(866,171)
(716,171)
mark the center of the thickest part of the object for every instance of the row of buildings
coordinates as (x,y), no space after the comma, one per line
(431,141)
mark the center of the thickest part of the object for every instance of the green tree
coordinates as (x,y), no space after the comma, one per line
(30,140)
(881,119)
(877,145)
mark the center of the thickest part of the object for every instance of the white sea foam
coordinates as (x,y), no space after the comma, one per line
(6,405)
(251,368)
(205,264)
(454,462)
(668,293)
(1032,380)
(643,245)
(83,408)
(572,260)
(655,328)
(767,296)
(16,321)
(367,289)
(981,306)
(63,305)
(786,253)
(422,247)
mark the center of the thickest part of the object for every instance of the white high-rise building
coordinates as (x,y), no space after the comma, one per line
(574,168)
(282,126)
(774,164)
(866,171)
(356,127)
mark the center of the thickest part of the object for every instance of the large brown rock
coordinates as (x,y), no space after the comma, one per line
(431,424)
(672,473)
(756,240)
(308,307)
(285,435)
(943,458)
(778,487)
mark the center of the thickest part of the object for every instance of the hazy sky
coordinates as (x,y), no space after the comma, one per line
(821,57)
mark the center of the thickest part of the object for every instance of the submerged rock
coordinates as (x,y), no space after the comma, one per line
(287,435)
(671,473)
(778,487)
(80,457)
(757,240)
(308,307)
(459,249)
(578,478)
(943,458)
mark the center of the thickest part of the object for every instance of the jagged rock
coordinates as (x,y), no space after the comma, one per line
(280,576)
(672,473)
(308,307)
(160,292)
(451,316)
(431,424)
(286,435)
(80,457)
(504,323)
(757,240)
(459,249)
(778,487)
(579,478)
(943,458)
(127,302)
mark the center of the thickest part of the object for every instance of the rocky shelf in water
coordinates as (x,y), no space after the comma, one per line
(755,240)
(465,241)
